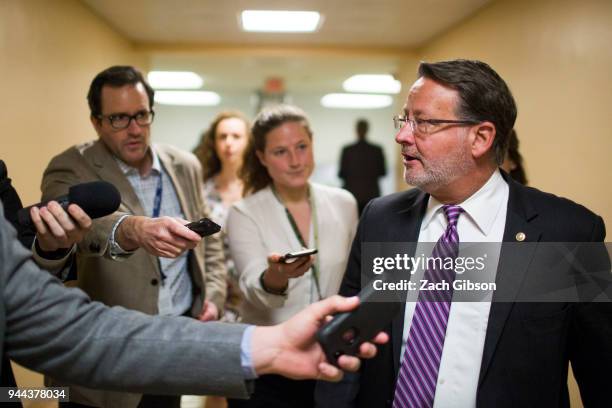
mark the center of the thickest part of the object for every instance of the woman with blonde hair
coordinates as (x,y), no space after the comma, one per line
(284,212)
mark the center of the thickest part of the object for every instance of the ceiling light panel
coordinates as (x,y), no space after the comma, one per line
(375,83)
(187,98)
(356,101)
(175,80)
(280,21)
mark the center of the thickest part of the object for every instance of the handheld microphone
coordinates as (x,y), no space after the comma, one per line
(96,198)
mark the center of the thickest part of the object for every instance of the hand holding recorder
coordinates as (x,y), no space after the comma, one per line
(290,348)
(345,333)
(163,236)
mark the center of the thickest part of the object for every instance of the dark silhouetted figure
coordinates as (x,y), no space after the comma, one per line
(361,164)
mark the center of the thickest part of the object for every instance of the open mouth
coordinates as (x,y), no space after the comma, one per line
(408,158)
(132,145)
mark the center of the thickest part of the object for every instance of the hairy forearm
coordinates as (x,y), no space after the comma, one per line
(127,233)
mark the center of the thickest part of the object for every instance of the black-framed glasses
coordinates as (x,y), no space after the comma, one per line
(119,121)
(426,126)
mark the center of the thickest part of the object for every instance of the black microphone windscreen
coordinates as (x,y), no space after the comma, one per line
(96,198)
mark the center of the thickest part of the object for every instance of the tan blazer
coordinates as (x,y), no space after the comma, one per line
(133,282)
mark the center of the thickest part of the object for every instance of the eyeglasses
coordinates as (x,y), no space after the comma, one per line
(426,126)
(121,121)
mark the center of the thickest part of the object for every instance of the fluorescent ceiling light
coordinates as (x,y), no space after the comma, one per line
(372,83)
(356,101)
(280,21)
(175,80)
(187,98)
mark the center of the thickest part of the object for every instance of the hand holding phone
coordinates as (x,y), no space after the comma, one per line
(291,257)
(204,227)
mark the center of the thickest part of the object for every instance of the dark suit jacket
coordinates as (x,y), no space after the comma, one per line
(12,204)
(528,345)
(361,164)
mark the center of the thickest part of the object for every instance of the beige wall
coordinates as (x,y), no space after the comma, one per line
(556,57)
(50,51)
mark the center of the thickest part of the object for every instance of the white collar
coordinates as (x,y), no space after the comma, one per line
(482,206)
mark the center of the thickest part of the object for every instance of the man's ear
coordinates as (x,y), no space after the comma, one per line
(261,157)
(482,140)
(96,122)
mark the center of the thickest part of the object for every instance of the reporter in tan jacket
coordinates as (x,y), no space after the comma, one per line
(118,262)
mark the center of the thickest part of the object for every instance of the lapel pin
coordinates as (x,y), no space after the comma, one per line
(520,236)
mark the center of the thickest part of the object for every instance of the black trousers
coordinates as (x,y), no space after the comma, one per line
(275,391)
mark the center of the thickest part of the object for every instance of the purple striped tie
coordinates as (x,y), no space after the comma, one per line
(418,374)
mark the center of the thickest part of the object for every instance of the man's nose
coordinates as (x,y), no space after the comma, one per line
(405,135)
(133,127)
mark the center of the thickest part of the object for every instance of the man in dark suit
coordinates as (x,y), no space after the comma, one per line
(361,165)
(502,351)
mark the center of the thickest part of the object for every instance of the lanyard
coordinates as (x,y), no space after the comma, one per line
(296,231)
(156,211)
(158,197)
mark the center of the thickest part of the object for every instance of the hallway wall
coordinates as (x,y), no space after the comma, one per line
(51,50)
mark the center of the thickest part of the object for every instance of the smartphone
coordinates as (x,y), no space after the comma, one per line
(347,331)
(291,257)
(204,227)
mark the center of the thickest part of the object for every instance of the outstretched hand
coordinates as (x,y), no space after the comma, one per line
(164,236)
(291,349)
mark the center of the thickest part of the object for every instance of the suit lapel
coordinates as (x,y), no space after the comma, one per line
(514,260)
(408,225)
(107,169)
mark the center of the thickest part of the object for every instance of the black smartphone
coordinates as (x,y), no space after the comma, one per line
(347,331)
(291,257)
(204,227)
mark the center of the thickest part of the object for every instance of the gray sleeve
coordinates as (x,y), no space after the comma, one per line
(61,332)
